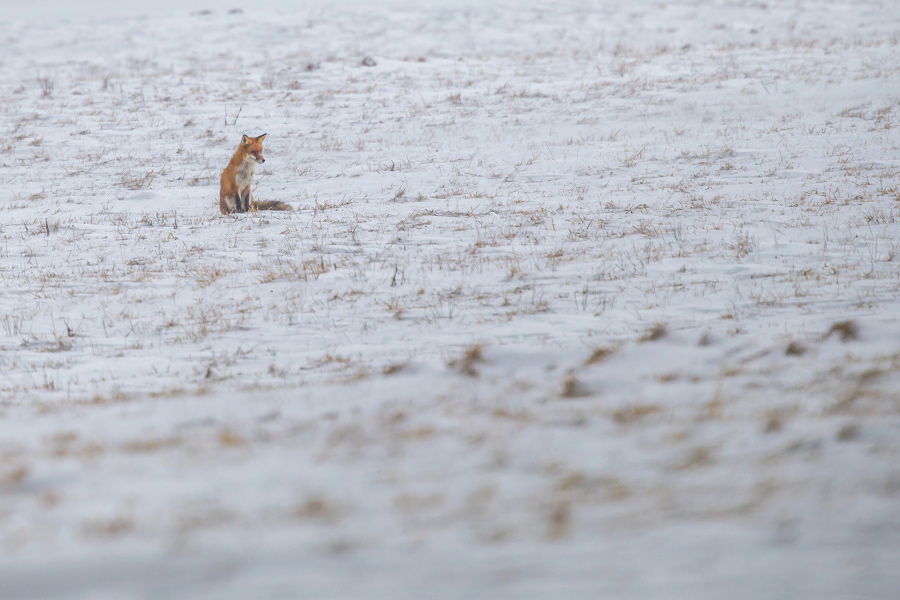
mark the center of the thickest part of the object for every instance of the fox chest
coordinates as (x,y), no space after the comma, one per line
(245,173)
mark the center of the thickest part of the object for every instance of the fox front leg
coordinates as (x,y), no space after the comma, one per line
(242,200)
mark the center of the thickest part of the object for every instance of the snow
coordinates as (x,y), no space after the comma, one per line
(577,300)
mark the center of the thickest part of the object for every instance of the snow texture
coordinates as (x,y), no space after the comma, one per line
(577,300)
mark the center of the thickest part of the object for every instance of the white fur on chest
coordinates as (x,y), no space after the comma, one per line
(245,173)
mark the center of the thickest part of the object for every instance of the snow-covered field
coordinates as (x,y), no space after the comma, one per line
(577,300)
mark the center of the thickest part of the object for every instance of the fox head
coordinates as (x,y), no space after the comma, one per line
(254,147)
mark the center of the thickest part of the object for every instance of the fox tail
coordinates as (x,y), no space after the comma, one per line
(271,205)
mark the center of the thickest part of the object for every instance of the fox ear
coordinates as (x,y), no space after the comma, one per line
(245,140)
(262,137)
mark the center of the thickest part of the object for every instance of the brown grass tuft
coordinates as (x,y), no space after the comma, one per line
(848,330)
(468,363)
(394,368)
(317,508)
(774,422)
(633,413)
(848,433)
(559,519)
(112,527)
(599,355)
(14,477)
(574,388)
(698,457)
(657,332)
(227,437)
(795,349)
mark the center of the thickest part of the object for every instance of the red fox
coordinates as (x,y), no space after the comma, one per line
(234,192)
